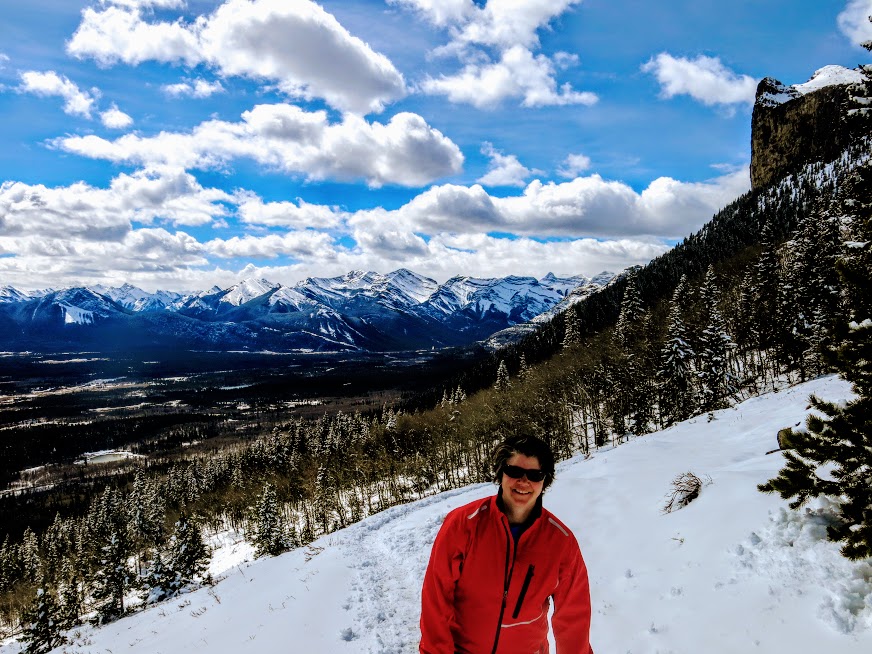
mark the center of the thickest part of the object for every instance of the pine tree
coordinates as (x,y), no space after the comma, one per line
(187,553)
(572,331)
(112,578)
(716,344)
(523,368)
(69,595)
(843,437)
(158,582)
(270,537)
(503,383)
(676,369)
(42,631)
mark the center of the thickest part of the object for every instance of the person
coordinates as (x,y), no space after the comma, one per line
(497,563)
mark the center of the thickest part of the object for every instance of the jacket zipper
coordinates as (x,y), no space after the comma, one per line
(524,588)
(510,566)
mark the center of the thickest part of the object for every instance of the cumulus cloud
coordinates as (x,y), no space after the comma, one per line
(440,12)
(114,118)
(854,21)
(405,150)
(296,45)
(704,79)
(197,88)
(70,233)
(518,74)
(585,206)
(300,215)
(82,211)
(497,42)
(299,244)
(504,170)
(49,83)
(573,165)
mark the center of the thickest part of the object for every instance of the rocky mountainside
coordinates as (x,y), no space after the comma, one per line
(356,311)
(814,121)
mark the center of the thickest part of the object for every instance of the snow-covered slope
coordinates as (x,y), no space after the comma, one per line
(775,93)
(731,572)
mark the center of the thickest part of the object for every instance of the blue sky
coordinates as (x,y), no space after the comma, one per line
(179,144)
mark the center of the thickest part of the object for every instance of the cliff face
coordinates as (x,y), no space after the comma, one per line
(795,125)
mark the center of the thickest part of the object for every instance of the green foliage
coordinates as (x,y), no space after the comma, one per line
(42,630)
(842,438)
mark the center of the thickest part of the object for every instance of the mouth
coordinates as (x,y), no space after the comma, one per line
(520,492)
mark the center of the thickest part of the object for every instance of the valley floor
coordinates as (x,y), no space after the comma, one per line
(734,571)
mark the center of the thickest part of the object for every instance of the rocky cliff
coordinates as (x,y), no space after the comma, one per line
(794,125)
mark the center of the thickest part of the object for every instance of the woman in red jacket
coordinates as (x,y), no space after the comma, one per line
(497,563)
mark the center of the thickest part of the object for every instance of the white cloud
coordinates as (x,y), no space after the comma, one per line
(254,211)
(49,83)
(81,232)
(518,74)
(297,45)
(114,118)
(405,151)
(198,88)
(504,170)
(704,79)
(81,211)
(118,35)
(440,12)
(854,21)
(308,244)
(3,60)
(573,165)
(506,23)
(508,29)
(145,4)
(583,207)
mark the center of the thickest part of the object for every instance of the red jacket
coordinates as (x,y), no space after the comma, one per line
(484,595)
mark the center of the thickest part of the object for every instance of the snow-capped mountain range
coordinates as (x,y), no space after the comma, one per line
(356,311)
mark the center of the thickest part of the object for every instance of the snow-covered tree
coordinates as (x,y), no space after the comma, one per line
(112,577)
(188,555)
(42,630)
(503,383)
(572,331)
(715,346)
(270,534)
(675,375)
(843,436)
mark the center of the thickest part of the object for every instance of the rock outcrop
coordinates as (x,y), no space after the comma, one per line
(794,125)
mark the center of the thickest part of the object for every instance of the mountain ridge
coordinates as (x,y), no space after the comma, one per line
(360,310)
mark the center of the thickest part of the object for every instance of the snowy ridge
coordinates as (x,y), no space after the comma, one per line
(734,569)
(773,92)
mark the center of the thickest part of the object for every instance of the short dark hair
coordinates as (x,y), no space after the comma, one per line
(527,445)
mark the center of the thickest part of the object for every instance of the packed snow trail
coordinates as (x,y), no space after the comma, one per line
(734,571)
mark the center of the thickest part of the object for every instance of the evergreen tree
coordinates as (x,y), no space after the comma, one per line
(675,375)
(112,578)
(572,331)
(42,631)
(523,368)
(503,383)
(270,537)
(716,344)
(158,582)
(69,595)
(843,437)
(188,554)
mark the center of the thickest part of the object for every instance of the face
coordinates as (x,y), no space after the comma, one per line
(520,495)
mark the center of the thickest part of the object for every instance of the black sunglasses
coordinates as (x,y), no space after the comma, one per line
(516,472)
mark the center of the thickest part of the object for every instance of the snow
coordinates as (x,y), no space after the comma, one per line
(830,76)
(247,290)
(733,571)
(76,315)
